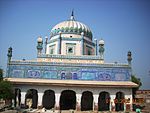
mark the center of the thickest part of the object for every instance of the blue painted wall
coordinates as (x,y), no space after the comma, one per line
(69,72)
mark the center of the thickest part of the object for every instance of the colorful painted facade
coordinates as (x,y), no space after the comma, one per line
(70,64)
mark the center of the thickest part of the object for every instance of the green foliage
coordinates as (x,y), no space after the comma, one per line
(6,91)
(1,74)
(138,82)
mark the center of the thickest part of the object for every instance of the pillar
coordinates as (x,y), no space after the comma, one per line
(59,44)
(57,99)
(78,104)
(82,43)
(46,41)
(131,101)
(95,46)
(95,102)
(23,96)
(128,102)
(112,102)
(40,97)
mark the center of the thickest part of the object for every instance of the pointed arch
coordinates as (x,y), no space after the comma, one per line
(87,101)
(67,100)
(48,100)
(33,95)
(104,101)
(119,104)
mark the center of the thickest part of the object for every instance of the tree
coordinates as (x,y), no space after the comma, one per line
(138,82)
(6,91)
(1,74)
(6,87)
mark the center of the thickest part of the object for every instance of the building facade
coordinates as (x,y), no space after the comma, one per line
(143,100)
(71,73)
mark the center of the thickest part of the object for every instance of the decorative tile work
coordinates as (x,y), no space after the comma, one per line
(33,74)
(69,71)
(18,73)
(50,74)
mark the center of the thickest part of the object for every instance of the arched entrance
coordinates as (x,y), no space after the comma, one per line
(48,99)
(17,99)
(67,100)
(119,103)
(33,95)
(87,101)
(103,101)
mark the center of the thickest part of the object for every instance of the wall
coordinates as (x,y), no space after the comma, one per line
(74,72)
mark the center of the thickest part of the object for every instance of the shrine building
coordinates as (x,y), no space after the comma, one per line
(70,73)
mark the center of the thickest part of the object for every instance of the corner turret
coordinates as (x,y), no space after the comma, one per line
(129,57)
(101,49)
(9,54)
(39,45)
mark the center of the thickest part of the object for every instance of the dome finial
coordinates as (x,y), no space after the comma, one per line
(72,15)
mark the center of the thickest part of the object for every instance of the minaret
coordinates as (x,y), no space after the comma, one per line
(129,55)
(39,45)
(101,49)
(9,54)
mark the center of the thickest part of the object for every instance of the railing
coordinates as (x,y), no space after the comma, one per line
(84,57)
(35,62)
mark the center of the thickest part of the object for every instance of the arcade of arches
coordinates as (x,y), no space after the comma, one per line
(68,100)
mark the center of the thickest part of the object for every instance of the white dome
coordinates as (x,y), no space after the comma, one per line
(74,24)
(39,39)
(101,42)
(71,27)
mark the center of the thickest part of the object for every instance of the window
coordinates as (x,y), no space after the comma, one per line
(70,48)
(88,50)
(52,49)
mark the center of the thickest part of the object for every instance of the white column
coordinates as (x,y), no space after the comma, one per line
(95,102)
(57,99)
(23,94)
(112,103)
(129,102)
(78,97)
(40,97)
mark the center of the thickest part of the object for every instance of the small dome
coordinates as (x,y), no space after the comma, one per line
(101,42)
(39,39)
(82,33)
(71,26)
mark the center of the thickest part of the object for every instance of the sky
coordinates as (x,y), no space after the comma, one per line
(123,24)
